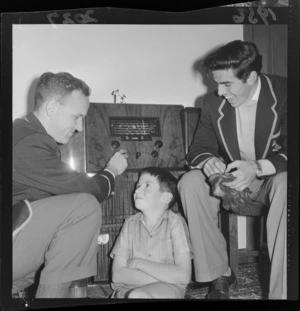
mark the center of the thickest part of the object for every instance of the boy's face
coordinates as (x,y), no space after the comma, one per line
(147,194)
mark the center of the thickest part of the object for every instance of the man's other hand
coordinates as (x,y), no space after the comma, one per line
(245,173)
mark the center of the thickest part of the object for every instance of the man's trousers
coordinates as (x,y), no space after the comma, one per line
(61,237)
(209,245)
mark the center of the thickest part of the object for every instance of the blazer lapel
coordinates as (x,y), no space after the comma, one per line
(227,128)
(266,117)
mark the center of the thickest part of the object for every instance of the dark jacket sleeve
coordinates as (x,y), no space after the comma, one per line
(277,152)
(37,164)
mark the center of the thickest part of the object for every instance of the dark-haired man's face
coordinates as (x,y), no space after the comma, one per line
(68,117)
(234,90)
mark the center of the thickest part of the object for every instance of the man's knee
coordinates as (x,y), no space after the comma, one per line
(280,181)
(87,207)
(190,179)
(89,201)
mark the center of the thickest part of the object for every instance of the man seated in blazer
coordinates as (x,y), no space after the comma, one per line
(242,130)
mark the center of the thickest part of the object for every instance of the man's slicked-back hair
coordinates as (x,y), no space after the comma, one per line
(240,56)
(166,180)
(57,86)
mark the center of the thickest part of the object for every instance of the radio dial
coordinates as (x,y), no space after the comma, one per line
(115,144)
(154,154)
(158,144)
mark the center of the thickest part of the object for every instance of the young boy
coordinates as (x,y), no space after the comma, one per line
(152,254)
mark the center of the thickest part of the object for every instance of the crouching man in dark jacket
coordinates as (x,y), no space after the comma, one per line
(56,210)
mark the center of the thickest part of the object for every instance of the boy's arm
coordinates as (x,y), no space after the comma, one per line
(178,273)
(125,275)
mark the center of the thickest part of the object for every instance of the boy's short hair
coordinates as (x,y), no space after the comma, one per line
(166,180)
(57,85)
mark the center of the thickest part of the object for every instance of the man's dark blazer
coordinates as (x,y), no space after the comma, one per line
(38,171)
(216,134)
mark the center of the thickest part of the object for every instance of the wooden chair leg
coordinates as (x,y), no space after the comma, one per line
(229,228)
(263,251)
(261,234)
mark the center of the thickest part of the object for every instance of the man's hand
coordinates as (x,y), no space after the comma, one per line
(214,166)
(245,174)
(118,162)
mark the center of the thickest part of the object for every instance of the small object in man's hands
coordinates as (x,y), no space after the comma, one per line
(233,200)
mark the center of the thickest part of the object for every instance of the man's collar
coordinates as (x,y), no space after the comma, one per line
(31,117)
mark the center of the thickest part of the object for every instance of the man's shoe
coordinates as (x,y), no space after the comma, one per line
(220,287)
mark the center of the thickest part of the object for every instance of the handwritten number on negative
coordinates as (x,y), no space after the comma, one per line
(262,12)
(78,18)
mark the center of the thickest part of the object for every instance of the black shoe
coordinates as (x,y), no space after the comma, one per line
(220,287)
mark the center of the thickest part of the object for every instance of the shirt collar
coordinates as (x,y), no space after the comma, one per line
(254,99)
(164,215)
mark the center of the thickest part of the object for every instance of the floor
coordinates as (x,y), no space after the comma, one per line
(252,286)
(252,280)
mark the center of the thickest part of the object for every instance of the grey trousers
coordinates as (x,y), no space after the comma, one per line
(62,235)
(209,245)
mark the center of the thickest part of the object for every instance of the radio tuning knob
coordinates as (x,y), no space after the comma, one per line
(154,154)
(158,144)
(115,144)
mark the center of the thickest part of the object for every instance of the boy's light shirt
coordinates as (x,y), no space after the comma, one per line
(159,220)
